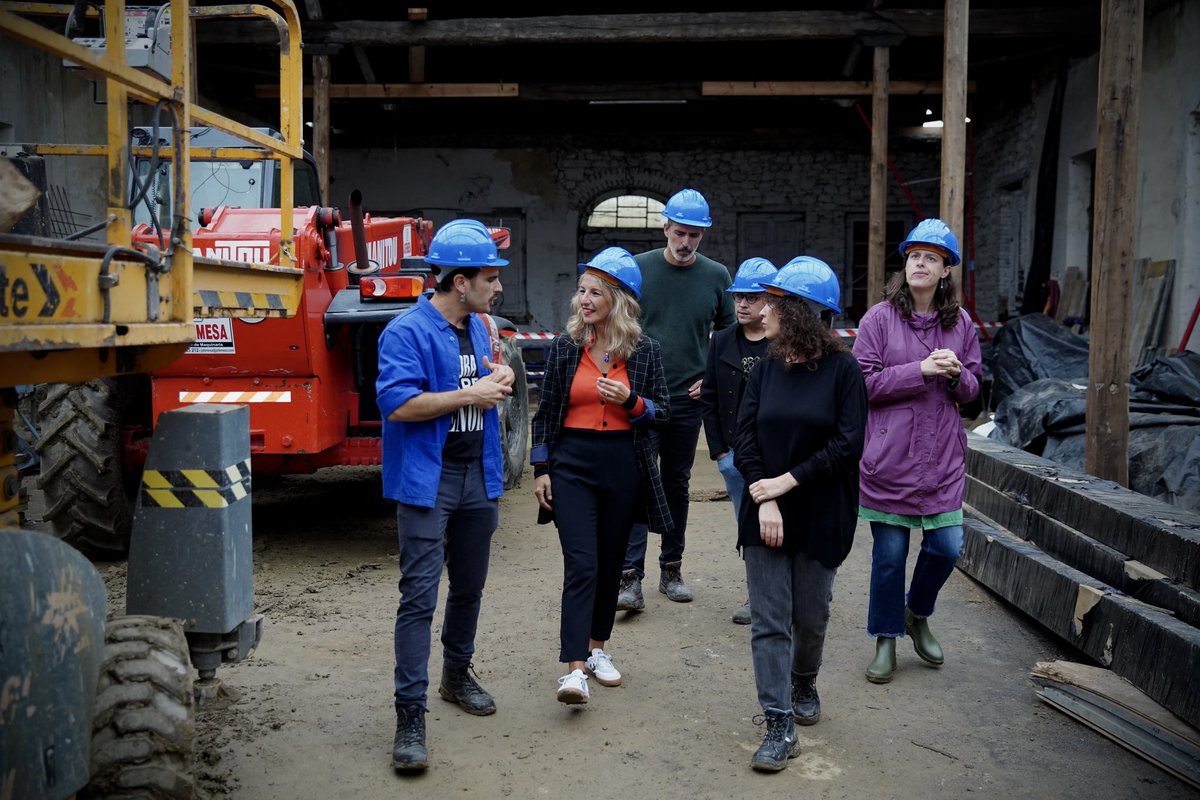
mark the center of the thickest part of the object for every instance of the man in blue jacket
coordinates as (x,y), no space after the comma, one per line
(437,391)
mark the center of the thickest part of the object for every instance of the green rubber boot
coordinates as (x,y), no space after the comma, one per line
(923,640)
(883,667)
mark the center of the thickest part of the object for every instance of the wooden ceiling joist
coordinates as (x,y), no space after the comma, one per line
(815,88)
(380,91)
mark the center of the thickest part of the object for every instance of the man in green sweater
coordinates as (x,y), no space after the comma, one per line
(683,300)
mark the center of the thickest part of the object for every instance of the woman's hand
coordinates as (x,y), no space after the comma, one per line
(948,364)
(770,524)
(612,391)
(541,490)
(770,488)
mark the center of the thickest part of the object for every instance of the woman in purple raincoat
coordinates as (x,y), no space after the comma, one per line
(920,357)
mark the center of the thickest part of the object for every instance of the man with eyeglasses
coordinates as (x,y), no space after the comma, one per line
(732,354)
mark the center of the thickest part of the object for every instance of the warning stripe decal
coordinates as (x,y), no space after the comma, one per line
(196,488)
(235,397)
(211,298)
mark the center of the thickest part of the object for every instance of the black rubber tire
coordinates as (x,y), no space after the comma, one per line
(144,726)
(514,418)
(89,499)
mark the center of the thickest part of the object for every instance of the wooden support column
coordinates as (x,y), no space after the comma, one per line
(321,124)
(877,243)
(1106,440)
(416,53)
(954,128)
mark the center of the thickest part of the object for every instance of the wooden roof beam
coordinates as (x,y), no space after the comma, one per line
(886,26)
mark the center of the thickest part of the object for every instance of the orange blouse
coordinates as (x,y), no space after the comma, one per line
(587,410)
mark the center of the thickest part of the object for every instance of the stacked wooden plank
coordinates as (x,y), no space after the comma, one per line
(1073,301)
(1151,286)
(1111,571)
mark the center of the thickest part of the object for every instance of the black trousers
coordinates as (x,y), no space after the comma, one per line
(595,484)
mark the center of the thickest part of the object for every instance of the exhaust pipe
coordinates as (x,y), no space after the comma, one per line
(362,263)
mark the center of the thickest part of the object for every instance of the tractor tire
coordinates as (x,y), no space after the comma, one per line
(144,727)
(89,498)
(514,418)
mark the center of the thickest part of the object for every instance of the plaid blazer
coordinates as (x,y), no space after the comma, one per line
(646,377)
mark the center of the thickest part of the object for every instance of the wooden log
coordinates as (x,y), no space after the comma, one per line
(1082,552)
(1165,537)
(1155,652)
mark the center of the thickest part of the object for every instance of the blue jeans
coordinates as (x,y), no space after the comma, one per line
(940,549)
(790,595)
(735,484)
(676,453)
(457,532)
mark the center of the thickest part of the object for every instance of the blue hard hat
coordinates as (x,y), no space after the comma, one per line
(463,243)
(688,207)
(810,278)
(620,265)
(750,274)
(934,232)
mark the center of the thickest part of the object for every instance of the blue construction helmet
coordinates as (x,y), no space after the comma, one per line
(750,273)
(810,278)
(688,207)
(463,243)
(933,232)
(619,266)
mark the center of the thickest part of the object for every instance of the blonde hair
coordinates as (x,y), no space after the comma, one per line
(622,329)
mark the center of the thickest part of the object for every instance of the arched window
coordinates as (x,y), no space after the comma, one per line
(632,220)
(627,211)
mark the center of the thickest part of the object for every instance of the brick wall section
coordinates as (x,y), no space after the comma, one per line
(827,185)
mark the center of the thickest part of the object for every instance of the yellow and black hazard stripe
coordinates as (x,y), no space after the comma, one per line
(247,301)
(196,488)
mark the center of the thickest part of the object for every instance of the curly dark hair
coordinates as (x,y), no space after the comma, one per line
(803,335)
(898,293)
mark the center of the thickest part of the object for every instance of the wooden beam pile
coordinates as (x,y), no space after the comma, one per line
(1111,571)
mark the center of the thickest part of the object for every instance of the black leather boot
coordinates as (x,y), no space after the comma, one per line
(806,703)
(459,686)
(778,745)
(924,642)
(408,748)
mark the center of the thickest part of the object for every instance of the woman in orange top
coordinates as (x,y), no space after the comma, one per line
(594,465)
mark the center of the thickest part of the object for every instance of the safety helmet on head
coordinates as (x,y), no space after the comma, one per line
(463,243)
(810,278)
(750,274)
(688,207)
(620,268)
(933,232)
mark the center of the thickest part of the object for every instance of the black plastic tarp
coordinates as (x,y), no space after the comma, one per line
(1032,347)
(1047,417)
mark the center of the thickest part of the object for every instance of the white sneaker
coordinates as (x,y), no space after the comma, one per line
(600,665)
(572,688)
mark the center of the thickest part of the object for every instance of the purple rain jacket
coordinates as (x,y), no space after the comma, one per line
(914,461)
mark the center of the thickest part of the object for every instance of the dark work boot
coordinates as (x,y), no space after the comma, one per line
(629,598)
(408,748)
(459,686)
(778,745)
(883,667)
(924,642)
(671,583)
(806,703)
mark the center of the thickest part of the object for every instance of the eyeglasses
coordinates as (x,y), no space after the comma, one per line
(748,299)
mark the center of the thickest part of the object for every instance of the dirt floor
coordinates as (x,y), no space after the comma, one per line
(313,712)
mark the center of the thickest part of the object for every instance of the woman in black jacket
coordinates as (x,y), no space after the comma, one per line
(799,438)
(595,470)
